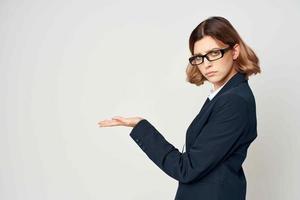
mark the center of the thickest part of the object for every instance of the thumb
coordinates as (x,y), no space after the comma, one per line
(117,117)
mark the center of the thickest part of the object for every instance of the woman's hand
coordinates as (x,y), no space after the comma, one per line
(120,121)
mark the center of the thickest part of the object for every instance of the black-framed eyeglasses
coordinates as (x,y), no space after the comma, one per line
(212,55)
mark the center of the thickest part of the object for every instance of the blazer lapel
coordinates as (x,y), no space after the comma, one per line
(200,120)
(235,80)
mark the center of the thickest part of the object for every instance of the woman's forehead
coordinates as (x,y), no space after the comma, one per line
(206,44)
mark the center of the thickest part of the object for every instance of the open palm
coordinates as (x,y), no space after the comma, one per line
(120,121)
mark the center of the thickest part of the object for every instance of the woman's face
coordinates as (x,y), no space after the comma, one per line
(223,67)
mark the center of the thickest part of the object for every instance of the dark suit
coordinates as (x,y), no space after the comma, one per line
(216,145)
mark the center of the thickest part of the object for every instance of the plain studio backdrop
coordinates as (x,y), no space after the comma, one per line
(65,65)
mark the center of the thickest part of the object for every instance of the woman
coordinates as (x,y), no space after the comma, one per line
(219,136)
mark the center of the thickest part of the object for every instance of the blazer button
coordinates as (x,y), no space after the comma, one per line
(137,140)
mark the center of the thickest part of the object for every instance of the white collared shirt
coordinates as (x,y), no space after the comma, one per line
(214,92)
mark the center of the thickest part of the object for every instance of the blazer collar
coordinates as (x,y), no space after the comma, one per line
(234,81)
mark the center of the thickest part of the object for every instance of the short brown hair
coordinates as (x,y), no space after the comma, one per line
(221,29)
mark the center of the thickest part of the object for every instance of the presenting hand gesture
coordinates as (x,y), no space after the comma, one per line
(120,121)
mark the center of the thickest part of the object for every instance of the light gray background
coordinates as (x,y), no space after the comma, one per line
(65,65)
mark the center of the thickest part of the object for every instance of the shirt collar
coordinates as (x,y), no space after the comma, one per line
(237,79)
(214,92)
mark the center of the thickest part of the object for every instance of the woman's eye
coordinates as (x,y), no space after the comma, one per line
(215,53)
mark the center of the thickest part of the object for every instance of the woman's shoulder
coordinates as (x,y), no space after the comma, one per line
(242,92)
(231,99)
(235,100)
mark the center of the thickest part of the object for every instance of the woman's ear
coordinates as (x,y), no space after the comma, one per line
(235,51)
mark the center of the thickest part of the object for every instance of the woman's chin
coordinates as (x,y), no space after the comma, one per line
(213,78)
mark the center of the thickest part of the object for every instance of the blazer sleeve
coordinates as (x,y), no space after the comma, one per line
(227,123)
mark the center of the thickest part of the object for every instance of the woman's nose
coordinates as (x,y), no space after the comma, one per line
(206,62)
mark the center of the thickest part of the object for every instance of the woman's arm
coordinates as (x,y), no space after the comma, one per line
(225,126)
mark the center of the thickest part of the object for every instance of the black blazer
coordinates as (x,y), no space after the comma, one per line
(216,145)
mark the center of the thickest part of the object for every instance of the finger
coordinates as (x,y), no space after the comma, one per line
(118,117)
(103,121)
(105,124)
(109,123)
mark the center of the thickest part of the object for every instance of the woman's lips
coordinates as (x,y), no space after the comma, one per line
(210,73)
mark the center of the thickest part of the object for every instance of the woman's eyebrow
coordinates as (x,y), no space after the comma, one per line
(207,51)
